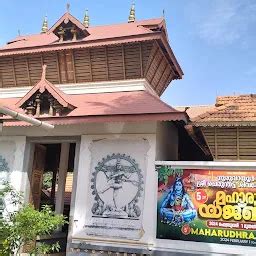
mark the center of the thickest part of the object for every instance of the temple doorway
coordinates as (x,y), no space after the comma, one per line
(51,181)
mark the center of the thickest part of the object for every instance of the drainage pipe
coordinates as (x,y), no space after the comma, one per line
(26,118)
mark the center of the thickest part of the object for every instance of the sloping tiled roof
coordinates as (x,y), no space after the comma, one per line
(238,110)
(194,111)
(144,30)
(66,17)
(106,107)
(96,33)
(42,86)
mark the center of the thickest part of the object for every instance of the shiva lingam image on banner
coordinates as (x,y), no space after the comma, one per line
(117,185)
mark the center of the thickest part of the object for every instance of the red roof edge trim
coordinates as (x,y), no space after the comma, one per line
(179,116)
(82,44)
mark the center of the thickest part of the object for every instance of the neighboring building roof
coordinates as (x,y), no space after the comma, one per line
(107,107)
(194,111)
(237,110)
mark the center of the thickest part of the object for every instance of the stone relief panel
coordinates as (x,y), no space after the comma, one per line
(115,177)
(118,169)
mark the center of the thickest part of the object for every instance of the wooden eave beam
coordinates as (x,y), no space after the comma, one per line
(170,55)
(14,73)
(106,59)
(158,66)
(141,61)
(28,72)
(123,59)
(167,81)
(73,65)
(90,64)
(159,82)
(152,56)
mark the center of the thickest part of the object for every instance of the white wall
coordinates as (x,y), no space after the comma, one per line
(12,151)
(82,201)
(12,148)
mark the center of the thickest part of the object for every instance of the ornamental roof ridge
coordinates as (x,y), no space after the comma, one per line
(65,18)
(42,86)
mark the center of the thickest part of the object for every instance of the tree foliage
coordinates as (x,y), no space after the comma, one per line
(47,180)
(164,172)
(24,225)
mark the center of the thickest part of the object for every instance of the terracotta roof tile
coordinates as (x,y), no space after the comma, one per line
(229,111)
(194,111)
(96,36)
(65,18)
(95,33)
(42,86)
(106,107)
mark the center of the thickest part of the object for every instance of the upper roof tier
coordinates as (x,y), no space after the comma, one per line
(138,49)
(97,35)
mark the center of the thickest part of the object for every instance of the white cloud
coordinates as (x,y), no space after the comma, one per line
(223,22)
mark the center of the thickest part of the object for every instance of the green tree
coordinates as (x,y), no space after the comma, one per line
(25,225)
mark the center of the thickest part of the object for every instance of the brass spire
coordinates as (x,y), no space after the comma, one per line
(68,7)
(132,14)
(45,25)
(86,19)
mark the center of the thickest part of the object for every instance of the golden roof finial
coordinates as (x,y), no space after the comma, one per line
(68,7)
(132,14)
(86,19)
(45,25)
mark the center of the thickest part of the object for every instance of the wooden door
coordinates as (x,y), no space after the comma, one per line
(37,175)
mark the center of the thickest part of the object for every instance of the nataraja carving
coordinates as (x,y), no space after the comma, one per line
(117,185)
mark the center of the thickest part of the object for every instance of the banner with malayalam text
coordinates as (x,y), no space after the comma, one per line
(213,206)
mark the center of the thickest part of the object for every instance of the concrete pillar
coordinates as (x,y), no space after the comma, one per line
(63,169)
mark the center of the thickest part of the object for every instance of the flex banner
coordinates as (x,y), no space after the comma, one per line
(213,206)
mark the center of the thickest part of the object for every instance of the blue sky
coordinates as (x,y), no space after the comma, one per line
(213,40)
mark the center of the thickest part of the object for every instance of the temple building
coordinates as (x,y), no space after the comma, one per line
(100,87)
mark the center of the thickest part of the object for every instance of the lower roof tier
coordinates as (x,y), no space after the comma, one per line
(135,106)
